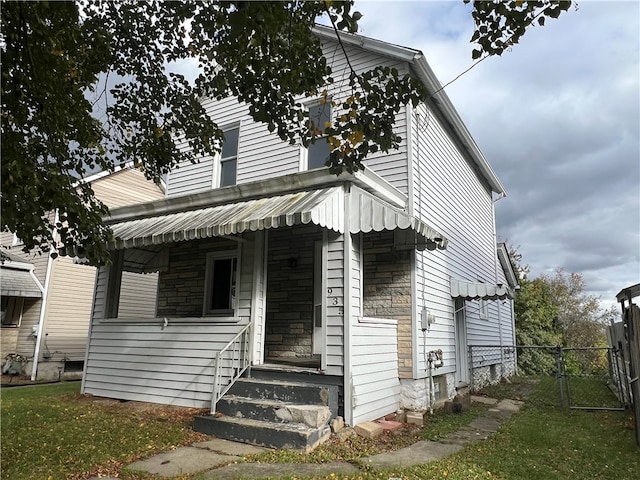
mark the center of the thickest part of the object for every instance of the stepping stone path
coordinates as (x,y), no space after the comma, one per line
(223,459)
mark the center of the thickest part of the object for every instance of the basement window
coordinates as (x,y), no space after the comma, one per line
(73,366)
(439,387)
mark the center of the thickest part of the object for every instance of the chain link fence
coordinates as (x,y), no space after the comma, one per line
(579,378)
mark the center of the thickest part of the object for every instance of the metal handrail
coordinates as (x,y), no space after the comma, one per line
(240,360)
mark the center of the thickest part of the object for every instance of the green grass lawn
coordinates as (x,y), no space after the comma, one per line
(52,433)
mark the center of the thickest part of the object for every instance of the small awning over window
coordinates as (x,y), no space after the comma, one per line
(368,214)
(479,291)
(18,283)
(324,207)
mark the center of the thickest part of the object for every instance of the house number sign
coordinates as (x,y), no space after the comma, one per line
(334,300)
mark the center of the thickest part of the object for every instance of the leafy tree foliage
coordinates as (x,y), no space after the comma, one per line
(580,317)
(56,56)
(500,24)
(555,311)
(535,326)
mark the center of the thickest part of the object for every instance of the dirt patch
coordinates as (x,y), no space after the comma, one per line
(144,409)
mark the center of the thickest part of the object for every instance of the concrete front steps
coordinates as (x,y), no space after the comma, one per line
(273,413)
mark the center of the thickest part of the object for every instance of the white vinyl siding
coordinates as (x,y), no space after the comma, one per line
(100,295)
(335,305)
(162,360)
(138,295)
(375,383)
(356,275)
(392,166)
(150,362)
(263,155)
(449,196)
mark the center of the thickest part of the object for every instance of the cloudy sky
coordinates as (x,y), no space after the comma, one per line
(558,119)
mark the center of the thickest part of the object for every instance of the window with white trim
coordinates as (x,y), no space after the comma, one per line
(483,305)
(318,152)
(229,157)
(484,309)
(221,280)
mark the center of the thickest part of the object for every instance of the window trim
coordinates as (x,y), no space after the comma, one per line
(483,306)
(484,309)
(221,315)
(13,312)
(216,181)
(304,151)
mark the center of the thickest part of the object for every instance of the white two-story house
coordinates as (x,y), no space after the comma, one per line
(372,285)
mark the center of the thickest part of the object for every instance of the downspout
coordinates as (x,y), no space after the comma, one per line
(513,337)
(495,266)
(428,381)
(43,306)
(347,310)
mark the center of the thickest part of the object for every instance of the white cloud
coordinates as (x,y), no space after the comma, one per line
(558,117)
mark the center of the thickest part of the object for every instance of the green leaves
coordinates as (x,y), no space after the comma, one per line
(63,115)
(500,24)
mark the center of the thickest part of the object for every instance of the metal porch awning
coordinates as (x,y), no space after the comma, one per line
(324,207)
(479,291)
(18,283)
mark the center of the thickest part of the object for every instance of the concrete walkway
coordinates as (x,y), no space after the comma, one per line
(222,459)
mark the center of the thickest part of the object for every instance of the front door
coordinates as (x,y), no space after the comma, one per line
(462,351)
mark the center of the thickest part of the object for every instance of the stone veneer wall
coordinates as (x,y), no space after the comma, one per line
(387,290)
(181,290)
(289,325)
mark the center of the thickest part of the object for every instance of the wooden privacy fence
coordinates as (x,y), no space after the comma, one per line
(629,338)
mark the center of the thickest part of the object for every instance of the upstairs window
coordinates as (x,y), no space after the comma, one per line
(220,283)
(318,152)
(229,157)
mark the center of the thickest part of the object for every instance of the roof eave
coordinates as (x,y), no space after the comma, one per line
(440,100)
(312,179)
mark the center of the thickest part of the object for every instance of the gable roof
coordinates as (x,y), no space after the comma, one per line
(438,99)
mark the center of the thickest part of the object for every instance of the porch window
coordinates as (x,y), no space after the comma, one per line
(318,152)
(220,283)
(229,157)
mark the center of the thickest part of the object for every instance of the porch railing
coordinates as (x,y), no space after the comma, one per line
(229,364)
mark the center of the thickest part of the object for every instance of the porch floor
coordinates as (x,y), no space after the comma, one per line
(298,362)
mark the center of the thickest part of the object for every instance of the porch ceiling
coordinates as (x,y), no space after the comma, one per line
(479,291)
(19,283)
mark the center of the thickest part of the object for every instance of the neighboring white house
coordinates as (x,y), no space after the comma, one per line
(361,281)
(47,324)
